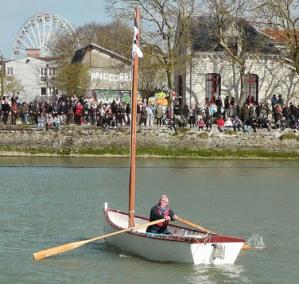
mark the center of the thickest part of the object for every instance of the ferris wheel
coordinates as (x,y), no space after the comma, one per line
(41,32)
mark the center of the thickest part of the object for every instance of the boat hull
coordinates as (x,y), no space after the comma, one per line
(195,249)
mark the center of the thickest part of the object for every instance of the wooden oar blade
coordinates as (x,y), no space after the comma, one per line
(57,250)
(246,247)
(70,246)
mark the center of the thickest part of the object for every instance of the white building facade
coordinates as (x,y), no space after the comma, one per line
(110,73)
(36,77)
(213,74)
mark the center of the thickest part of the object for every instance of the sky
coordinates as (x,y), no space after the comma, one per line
(14,13)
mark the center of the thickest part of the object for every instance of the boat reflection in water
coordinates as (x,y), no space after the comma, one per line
(211,274)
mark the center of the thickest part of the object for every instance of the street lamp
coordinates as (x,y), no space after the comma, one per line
(2,75)
(190,79)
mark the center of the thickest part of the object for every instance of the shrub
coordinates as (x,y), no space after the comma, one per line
(289,136)
(203,135)
(230,132)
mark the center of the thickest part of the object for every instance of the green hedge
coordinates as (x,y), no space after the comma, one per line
(157,151)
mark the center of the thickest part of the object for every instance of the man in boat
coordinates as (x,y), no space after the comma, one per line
(161,211)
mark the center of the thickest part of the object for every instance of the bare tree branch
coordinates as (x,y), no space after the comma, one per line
(158,27)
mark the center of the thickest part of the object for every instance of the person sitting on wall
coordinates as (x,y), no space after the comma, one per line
(228,124)
(201,124)
(220,124)
(237,123)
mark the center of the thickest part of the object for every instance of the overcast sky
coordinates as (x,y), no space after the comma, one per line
(14,13)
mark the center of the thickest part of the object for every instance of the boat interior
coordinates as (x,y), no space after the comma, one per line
(120,219)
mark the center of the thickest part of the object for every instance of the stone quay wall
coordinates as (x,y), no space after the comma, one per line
(73,139)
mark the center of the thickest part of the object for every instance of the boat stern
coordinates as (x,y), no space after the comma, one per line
(217,253)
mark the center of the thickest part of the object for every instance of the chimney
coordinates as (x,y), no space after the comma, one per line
(33,52)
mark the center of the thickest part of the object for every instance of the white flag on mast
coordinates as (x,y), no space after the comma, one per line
(135,48)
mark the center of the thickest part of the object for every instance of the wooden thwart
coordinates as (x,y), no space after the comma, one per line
(70,246)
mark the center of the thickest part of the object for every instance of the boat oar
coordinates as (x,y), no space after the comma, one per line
(70,246)
(190,224)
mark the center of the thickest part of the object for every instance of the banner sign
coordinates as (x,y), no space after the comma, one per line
(161,99)
(107,96)
(109,77)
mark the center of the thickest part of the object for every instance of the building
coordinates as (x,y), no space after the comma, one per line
(110,73)
(2,74)
(256,67)
(35,75)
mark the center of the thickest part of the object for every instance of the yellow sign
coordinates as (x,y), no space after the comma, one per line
(161,99)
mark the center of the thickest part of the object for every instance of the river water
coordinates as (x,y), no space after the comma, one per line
(46,202)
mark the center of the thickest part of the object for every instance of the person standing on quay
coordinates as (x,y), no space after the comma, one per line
(159,115)
(5,110)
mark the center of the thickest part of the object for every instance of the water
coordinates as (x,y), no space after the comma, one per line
(50,201)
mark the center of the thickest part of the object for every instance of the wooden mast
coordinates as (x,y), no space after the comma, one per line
(133,124)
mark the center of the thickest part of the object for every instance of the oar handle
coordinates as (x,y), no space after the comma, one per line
(70,246)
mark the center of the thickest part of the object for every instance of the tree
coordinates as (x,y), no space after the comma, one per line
(159,26)
(229,31)
(152,76)
(114,36)
(12,85)
(73,79)
(9,84)
(281,18)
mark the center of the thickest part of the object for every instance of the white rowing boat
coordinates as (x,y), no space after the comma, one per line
(182,245)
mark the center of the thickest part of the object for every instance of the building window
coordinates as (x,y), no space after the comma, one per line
(53,91)
(213,86)
(250,88)
(43,91)
(43,71)
(9,71)
(43,74)
(52,71)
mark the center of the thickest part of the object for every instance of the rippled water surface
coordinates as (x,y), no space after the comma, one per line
(49,201)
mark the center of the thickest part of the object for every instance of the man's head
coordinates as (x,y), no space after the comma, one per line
(163,201)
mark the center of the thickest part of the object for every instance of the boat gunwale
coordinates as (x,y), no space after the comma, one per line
(209,238)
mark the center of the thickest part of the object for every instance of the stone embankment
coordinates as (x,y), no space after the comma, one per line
(80,140)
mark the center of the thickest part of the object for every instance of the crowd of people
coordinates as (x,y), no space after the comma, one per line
(225,114)
(247,117)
